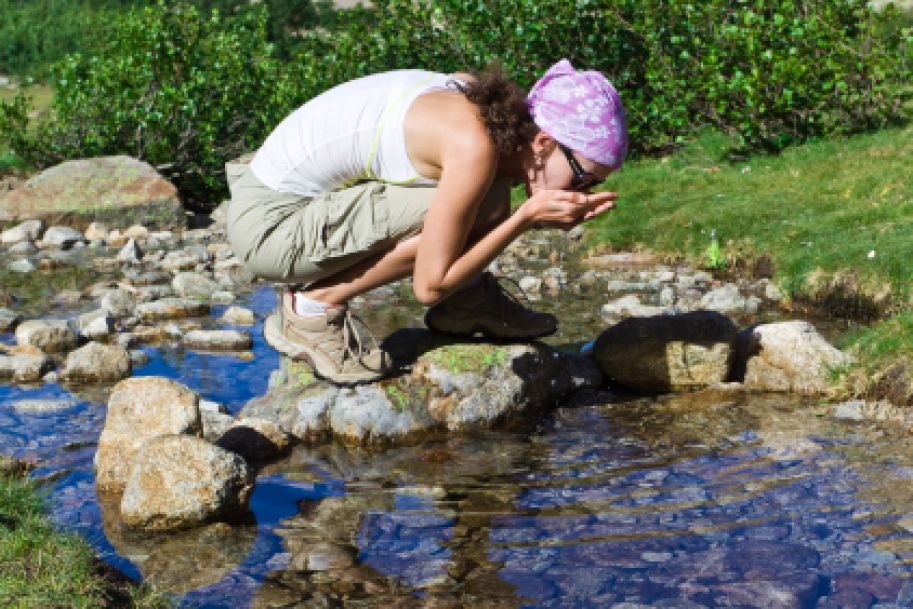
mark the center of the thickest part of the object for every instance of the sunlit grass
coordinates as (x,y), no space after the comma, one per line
(832,208)
(43,567)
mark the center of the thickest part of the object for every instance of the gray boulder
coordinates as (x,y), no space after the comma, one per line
(179,481)
(95,324)
(118,190)
(786,356)
(448,387)
(256,440)
(96,363)
(667,352)
(49,335)
(118,302)
(140,409)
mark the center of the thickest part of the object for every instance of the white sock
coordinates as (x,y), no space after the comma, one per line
(308,307)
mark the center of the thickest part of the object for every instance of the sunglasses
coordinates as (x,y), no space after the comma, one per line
(582,180)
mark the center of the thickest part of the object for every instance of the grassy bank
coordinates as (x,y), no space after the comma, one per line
(834,219)
(43,567)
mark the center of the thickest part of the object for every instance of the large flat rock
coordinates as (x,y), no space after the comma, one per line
(118,190)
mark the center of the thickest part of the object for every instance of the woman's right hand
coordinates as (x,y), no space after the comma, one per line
(564,209)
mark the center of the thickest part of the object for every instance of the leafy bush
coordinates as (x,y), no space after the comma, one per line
(169,86)
(175,87)
(770,72)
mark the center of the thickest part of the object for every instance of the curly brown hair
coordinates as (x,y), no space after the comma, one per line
(502,104)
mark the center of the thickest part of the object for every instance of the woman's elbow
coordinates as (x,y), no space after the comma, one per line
(426,294)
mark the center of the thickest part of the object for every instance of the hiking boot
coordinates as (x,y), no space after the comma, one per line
(331,343)
(486,307)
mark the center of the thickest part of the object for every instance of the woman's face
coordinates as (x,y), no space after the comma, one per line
(554,167)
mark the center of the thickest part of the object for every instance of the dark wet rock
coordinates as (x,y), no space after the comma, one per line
(10,466)
(667,352)
(882,587)
(181,481)
(62,237)
(236,316)
(140,409)
(217,340)
(171,308)
(115,189)
(49,335)
(96,363)
(24,368)
(786,356)
(9,320)
(95,324)
(194,285)
(30,230)
(256,440)
(449,387)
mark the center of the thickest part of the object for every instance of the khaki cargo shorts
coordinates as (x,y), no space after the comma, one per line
(290,238)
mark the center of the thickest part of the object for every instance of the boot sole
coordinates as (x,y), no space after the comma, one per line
(272,332)
(475,328)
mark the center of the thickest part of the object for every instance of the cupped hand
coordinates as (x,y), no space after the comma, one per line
(566,209)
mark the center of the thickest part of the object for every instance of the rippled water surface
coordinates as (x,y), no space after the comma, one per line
(703,500)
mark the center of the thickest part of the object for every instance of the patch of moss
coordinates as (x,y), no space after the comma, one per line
(300,376)
(477,358)
(401,394)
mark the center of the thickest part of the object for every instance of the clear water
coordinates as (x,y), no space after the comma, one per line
(706,500)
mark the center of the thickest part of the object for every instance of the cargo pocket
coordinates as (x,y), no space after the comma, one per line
(351,221)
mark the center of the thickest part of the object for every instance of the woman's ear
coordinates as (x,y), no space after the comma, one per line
(543,144)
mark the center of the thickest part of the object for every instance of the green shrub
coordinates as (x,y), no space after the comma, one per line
(768,72)
(174,87)
(183,91)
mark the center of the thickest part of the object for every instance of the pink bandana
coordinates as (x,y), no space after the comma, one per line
(581,110)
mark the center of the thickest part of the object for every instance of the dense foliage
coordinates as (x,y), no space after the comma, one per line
(172,84)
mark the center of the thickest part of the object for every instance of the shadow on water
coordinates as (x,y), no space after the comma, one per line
(697,500)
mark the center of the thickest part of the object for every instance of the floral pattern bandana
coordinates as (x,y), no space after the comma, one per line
(583,111)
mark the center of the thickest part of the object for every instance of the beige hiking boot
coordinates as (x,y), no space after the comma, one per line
(489,309)
(332,344)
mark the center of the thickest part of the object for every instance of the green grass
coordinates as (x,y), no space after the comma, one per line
(835,217)
(817,211)
(43,567)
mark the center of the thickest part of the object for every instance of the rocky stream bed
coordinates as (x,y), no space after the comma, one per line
(481,475)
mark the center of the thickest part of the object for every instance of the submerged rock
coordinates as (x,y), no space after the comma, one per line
(140,409)
(786,356)
(180,481)
(667,352)
(450,386)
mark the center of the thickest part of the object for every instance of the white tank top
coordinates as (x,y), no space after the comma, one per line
(351,132)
